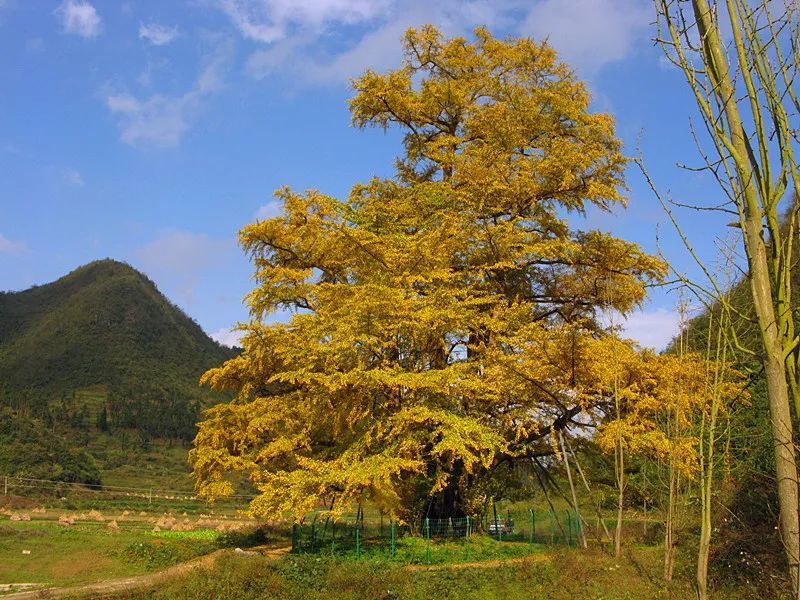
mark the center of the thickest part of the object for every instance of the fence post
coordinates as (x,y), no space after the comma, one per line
(533,528)
(569,528)
(393,548)
(427,540)
(150,496)
(468,532)
(644,522)
(313,534)
(5,486)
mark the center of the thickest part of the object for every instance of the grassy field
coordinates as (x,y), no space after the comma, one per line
(55,555)
(44,552)
(566,574)
(148,538)
(63,547)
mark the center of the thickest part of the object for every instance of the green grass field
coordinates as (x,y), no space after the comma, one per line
(566,574)
(50,554)
(46,553)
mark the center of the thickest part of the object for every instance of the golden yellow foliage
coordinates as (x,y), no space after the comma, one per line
(662,398)
(441,321)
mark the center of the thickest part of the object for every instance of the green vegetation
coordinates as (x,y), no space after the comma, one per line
(28,447)
(104,324)
(99,380)
(51,554)
(557,575)
(170,548)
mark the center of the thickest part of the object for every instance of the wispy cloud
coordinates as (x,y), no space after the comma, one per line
(589,34)
(10,246)
(303,41)
(177,259)
(79,17)
(227,337)
(73,177)
(269,210)
(268,21)
(652,328)
(158,35)
(161,119)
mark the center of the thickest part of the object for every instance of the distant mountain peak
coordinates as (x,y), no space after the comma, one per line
(104,323)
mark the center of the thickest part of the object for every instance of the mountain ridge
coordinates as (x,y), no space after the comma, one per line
(104,323)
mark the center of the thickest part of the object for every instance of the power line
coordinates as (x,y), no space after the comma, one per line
(94,487)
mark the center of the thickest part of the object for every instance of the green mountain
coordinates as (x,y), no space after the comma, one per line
(107,363)
(104,324)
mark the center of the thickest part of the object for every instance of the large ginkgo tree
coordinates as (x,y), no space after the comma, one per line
(441,323)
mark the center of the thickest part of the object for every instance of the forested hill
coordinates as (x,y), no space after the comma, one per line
(102,324)
(104,360)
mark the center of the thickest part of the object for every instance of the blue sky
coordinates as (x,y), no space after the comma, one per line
(151,131)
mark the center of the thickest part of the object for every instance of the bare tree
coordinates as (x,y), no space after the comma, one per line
(743,82)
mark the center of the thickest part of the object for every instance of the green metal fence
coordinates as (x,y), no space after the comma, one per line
(437,540)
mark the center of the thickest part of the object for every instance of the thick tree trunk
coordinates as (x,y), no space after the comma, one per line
(779,402)
(785,466)
(448,503)
(766,292)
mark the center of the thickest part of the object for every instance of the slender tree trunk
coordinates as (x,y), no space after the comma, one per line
(705,544)
(620,460)
(582,535)
(669,525)
(596,505)
(619,466)
(547,497)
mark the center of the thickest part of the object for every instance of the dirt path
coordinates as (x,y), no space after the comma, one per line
(110,586)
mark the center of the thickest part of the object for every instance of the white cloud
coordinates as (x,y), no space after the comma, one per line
(11,246)
(271,209)
(150,71)
(271,20)
(158,35)
(227,337)
(589,34)
(652,328)
(177,259)
(379,49)
(73,177)
(303,58)
(79,17)
(161,119)
(181,251)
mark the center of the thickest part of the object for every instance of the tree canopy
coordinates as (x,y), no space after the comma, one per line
(445,322)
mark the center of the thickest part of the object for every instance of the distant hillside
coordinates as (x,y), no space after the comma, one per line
(104,361)
(103,324)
